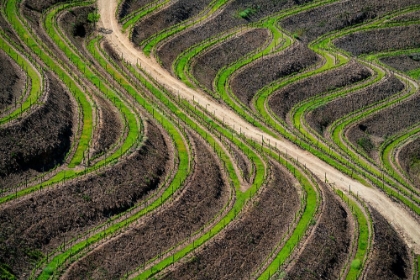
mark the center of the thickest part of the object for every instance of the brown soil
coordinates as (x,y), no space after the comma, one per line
(35,21)
(250,79)
(242,161)
(206,66)
(313,23)
(403,63)
(179,11)
(8,30)
(387,207)
(112,53)
(52,216)
(129,6)
(12,82)
(76,26)
(322,117)
(227,19)
(110,127)
(390,256)
(201,200)
(31,10)
(408,17)
(284,99)
(402,37)
(328,248)
(241,248)
(375,129)
(38,142)
(40,5)
(409,158)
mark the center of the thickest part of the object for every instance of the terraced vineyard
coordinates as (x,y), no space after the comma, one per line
(209,139)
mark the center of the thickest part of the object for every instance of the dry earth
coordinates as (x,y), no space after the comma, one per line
(393,212)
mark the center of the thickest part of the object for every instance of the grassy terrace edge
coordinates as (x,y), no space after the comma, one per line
(34,73)
(176,183)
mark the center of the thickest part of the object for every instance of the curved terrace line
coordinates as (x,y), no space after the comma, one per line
(397,216)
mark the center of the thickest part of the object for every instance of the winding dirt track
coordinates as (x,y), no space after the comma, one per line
(394,213)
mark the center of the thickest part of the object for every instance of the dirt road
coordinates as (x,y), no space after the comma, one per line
(395,214)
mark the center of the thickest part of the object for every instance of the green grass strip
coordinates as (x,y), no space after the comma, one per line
(6,273)
(177,182)
(34,77)
(223,78)
(160,94)
(391,143)
(312,203)
(337,136)
(260,176)
(325,43)
(149,44)
(299,112)
(241,197)
(298,115)
(130,20)
(181,64)
(308,214)
(134,128)
(363,240)
(133,136)
(224,75)
(388,150)
(415,74)
(322,46)
(12,14)
(418,266)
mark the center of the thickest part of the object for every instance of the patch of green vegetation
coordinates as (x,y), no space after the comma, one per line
(86,198)
(93,17)
(37,46)
(414,165)
(364,235)
(356,264)
(298,33)
(248,12)
(130,20)
(418,265)
(6,273)
(34,76)
(415,56)
(151,42)
(313,222)
(365,143)
(48,271)
(35,255)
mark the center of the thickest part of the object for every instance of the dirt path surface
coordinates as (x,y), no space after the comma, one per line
(400,218)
